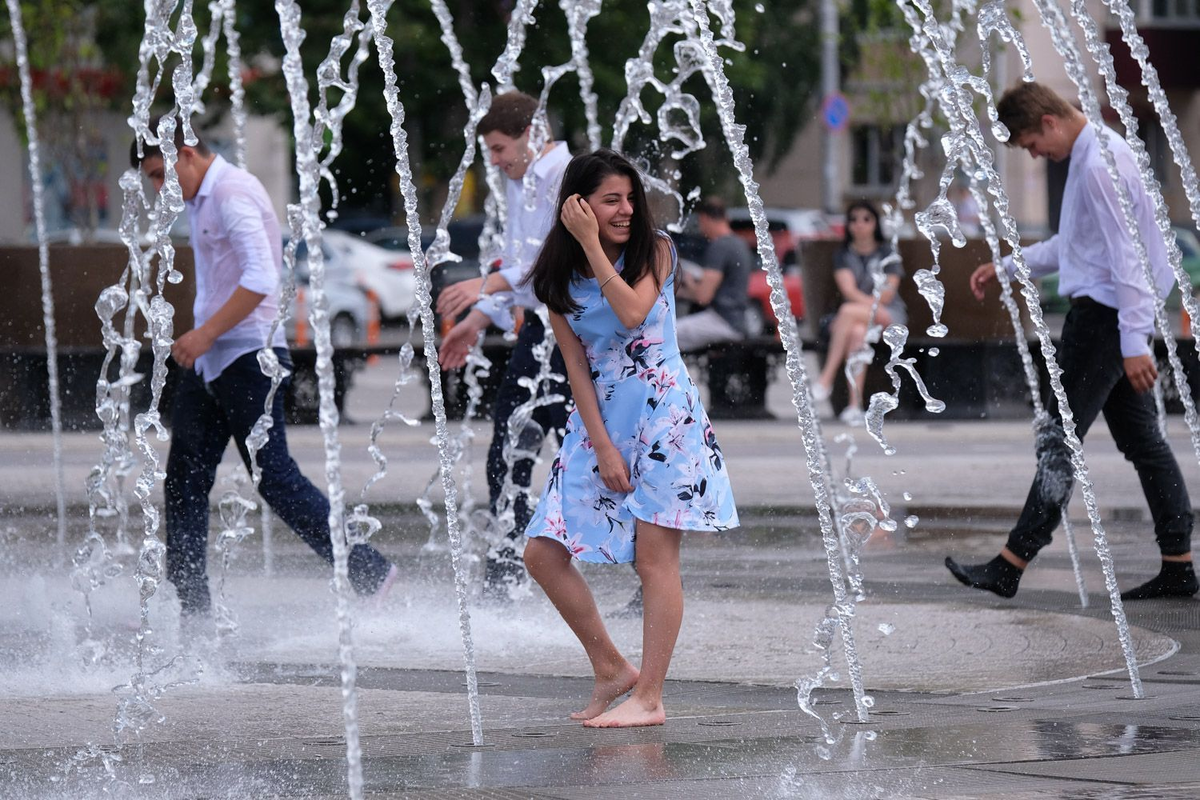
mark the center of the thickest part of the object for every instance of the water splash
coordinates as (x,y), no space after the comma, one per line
(308,170)
(384,49)
(801,397)
(958,103)
(39,222)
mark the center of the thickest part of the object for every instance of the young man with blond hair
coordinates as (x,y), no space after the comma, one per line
(1106,357)
(505,129)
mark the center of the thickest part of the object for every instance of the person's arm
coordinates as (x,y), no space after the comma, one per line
(631,304)
(241,222)
(1135,302)
(890,287)
(848,286)
(513,279)
(198,341)
(458,297)
(703,288)
(613,469)
(1041,258)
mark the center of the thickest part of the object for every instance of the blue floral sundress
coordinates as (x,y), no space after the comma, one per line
(654,416)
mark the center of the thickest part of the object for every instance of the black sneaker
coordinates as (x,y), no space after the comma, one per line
(1177,579)
(996,576)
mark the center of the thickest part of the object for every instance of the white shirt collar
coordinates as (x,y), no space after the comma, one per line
(218,166)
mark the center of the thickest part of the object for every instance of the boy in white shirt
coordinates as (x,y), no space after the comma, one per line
(1105,353)
(505,130)
(238,249)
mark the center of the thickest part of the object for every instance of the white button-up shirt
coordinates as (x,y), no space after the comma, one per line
(236,241)
(524,233)
(1093,251)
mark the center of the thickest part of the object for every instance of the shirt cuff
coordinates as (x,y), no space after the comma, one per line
(1006,264)
(498,307)
(259,283)
(1134,344)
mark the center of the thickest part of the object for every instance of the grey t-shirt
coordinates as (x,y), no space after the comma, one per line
(730,256)
(861,267)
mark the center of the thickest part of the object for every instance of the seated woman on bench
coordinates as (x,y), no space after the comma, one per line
(853,270)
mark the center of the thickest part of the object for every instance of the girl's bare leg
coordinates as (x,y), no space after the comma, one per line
(849,316)
(550,565)
(658,566)
(858,333)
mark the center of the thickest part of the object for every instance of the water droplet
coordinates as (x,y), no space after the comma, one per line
(911,521)
(907,497)
(760,8)
(887,628)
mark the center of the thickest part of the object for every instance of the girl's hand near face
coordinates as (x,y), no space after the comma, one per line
(580,220)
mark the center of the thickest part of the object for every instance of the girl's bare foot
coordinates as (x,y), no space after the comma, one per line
(633,713)
(607,689)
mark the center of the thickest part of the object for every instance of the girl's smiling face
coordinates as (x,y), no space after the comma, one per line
(612,203)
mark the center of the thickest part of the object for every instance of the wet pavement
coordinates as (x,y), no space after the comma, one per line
(974,696)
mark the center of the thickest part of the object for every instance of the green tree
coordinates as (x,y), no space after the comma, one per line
(774,79)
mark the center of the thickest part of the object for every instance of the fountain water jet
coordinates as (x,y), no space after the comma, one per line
(39,223)
(929,42)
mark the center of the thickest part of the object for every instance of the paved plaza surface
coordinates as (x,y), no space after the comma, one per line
(973,696)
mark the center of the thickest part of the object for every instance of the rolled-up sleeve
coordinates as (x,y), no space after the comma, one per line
(243,224)
(498,307)
(522,293)
(1135,302)
(1040,257)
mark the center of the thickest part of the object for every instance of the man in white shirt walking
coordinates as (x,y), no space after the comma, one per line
(237,246)
(505,130)
(1107,362)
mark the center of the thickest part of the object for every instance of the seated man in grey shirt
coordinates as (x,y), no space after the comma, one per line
(721,287)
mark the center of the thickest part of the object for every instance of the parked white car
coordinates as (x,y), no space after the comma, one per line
(387,273)
(349,307)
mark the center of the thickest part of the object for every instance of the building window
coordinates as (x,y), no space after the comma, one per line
(1157,147)
(876,151)
(1171,13)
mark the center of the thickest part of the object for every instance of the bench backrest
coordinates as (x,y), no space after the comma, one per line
(967,318)
(78,274)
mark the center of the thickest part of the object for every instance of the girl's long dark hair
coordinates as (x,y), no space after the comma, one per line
(869,207)
(562,260)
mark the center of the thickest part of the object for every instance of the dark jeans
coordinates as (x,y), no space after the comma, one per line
(203,419)
(523,364)
(1094,379)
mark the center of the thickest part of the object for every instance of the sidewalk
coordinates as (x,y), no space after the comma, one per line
(952,470)
(973,696)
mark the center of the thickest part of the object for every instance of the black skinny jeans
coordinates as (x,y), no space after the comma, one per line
(1094,380)
(510,395)
(204,417)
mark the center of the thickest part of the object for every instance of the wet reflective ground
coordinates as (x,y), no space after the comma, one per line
(955,713)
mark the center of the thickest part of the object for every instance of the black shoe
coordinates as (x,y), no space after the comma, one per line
(997,576)
(631,610)
(505,571)
(1177,579)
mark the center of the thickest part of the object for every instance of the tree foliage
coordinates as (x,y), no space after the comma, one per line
(774,79)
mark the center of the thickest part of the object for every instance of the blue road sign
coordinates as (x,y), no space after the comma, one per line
(835,111)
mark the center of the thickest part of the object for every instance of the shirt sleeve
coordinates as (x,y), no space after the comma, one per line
(717,257)
(243,225)
(1040,257)
(522,295)
(1135,302)
(498,307)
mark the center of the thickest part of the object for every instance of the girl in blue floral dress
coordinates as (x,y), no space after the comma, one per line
(639,463)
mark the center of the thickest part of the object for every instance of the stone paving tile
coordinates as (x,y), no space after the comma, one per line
(1162,769)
